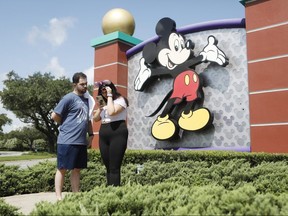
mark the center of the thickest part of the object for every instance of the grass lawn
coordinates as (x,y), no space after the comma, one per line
(28,156)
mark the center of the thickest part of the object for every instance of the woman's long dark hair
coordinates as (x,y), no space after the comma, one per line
(115,93)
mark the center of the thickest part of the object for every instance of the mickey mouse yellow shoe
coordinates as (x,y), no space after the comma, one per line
(194,121)
(163,128)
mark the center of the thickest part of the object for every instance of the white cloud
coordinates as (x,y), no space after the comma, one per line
(90,75)
(55,33)
(55,68)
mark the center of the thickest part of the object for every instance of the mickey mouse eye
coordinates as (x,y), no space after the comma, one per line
(176,45)
(182,44)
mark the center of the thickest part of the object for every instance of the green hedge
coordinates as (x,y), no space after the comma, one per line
(265,177)
(211,157)
(168,199)
(266,172)
(169,182)
(8,210)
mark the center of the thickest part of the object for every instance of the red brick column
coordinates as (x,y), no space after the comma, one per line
(110,62)
(267,54)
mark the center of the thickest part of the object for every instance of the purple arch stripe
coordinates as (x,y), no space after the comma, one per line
(204,26)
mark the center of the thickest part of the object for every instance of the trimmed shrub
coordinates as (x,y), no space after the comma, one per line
(164,183)
(8,210)
(167,199)
(230,173)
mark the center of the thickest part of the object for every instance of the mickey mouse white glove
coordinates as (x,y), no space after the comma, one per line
(212,53)
(142,76)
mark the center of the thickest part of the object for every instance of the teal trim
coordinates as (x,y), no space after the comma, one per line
(243,2)
(117,35)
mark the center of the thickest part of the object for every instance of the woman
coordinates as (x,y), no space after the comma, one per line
(113,133)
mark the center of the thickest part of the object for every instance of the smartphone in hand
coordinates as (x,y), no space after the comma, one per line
(101,101)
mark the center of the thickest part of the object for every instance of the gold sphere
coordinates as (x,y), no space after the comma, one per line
(118,19)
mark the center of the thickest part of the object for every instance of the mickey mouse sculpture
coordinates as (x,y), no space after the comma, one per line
(173,55)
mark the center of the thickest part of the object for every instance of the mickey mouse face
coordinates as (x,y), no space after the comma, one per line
(175,54)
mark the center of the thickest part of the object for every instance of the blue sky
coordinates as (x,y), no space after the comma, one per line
(55,35)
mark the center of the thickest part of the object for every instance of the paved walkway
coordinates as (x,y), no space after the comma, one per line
(11,153)
(27,163)
(21,163)
(26,202)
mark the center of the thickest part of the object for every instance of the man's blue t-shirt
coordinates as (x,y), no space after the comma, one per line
(74,111)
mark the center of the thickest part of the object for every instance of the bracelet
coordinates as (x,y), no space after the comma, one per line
(91,135)
(109,95)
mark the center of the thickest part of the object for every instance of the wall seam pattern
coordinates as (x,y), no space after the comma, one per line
(267,27)
(269,124)
(114,63)
(267,59)
(268,91)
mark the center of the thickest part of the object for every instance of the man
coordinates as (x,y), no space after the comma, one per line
(72,114)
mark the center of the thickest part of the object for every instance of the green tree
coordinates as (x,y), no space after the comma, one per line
(27,136)
(3,121)
(32,100)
